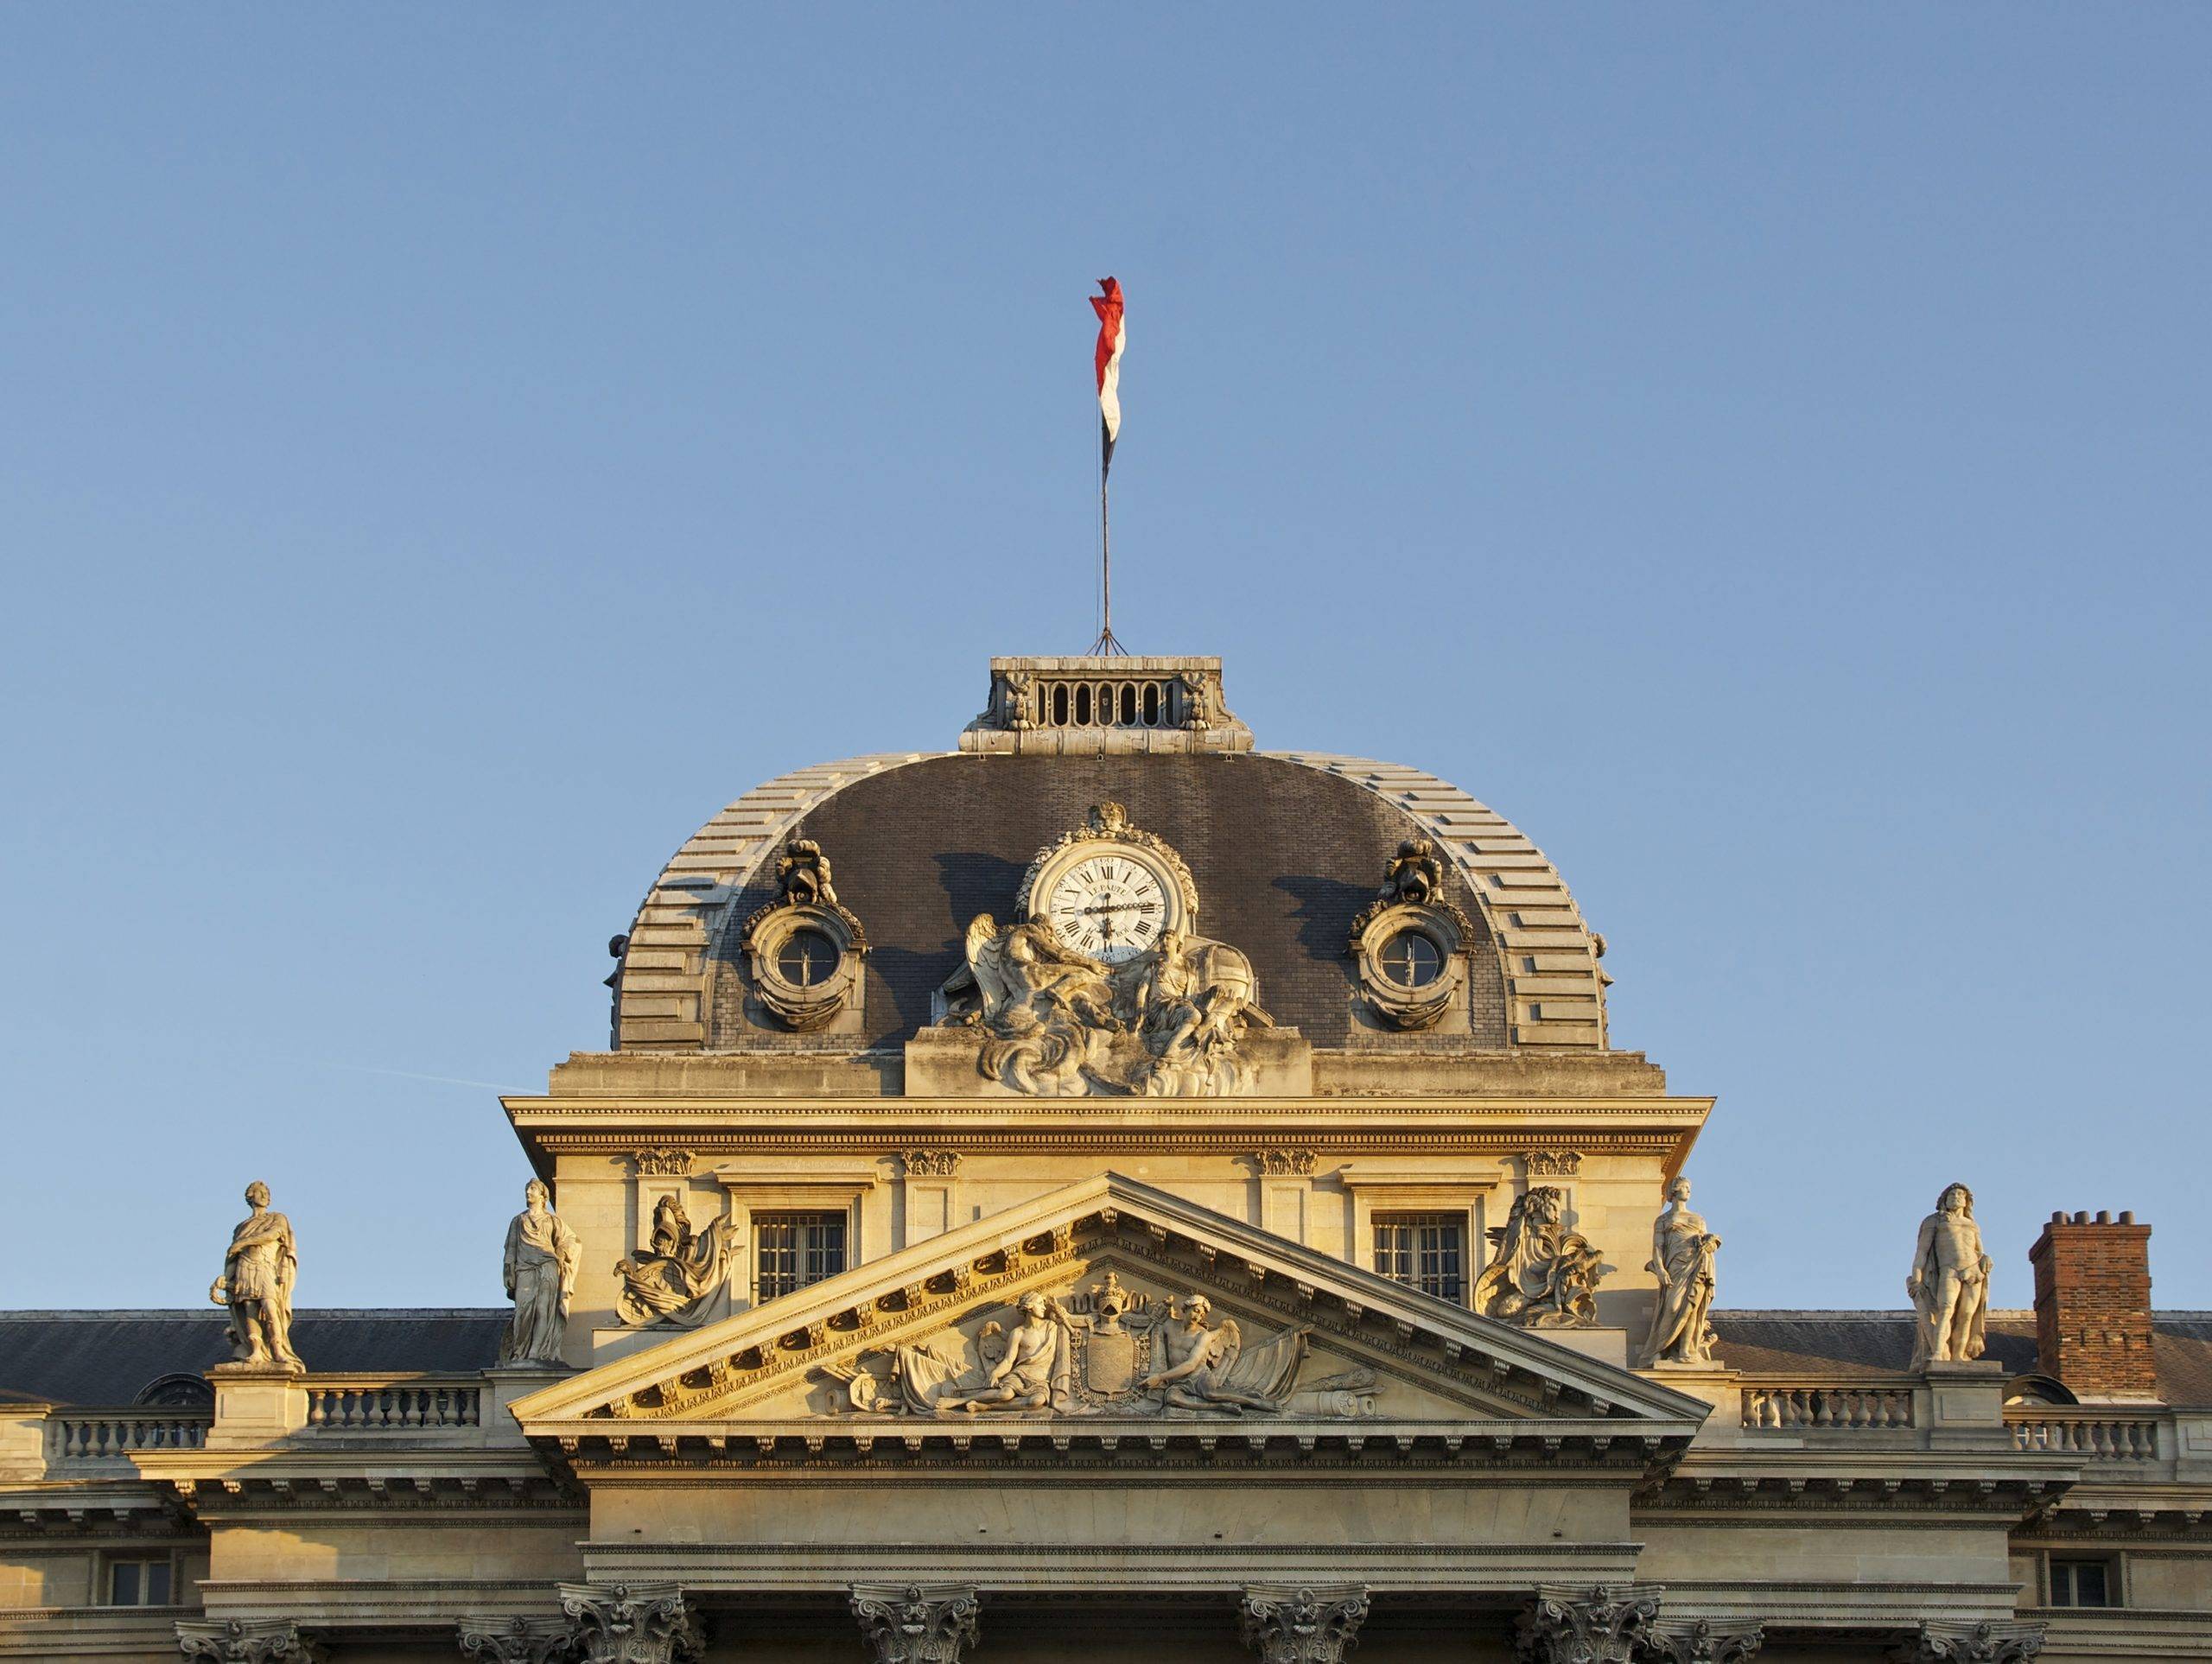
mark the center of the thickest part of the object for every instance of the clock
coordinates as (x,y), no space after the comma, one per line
(1109,904)
(1109,892)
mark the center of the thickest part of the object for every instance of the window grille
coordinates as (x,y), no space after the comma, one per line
(1427,1251)
(790,1250)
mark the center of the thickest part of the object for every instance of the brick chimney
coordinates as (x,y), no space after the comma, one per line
(2093,1305)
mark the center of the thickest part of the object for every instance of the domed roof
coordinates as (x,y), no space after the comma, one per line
(1287,849)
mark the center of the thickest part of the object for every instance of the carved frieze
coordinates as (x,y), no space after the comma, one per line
(1108,1350)
(661,1164)
(1291,1625)
(803,950)
(1283,1163)
(917,1623)
(1586,1626)
(631,1623)
(1540,1275)
(930,1164)
(247,1641)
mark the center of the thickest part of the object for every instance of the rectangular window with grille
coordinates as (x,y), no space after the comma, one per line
(138,1583)
(790,1250)
(2083,1583)
(1427,1251)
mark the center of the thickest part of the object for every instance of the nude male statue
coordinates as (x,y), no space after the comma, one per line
(1199,1359)
(1949,1283)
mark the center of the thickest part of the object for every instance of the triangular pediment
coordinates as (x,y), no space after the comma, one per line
(1096,1290)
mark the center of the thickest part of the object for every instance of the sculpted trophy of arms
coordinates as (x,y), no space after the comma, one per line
(259,1271)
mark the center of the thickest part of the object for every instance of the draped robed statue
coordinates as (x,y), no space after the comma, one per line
(258,1270)
(1682,1252)
(540,1268)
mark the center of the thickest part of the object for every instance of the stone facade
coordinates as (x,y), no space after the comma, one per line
(1112,1192)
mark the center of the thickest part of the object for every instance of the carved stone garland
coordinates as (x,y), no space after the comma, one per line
(632,1623)
(806,901)
(1938,1642)
(247,1641)
(518,1639)
(917,1623)
(1586,1626)
(1702,1641)
(1287,1625)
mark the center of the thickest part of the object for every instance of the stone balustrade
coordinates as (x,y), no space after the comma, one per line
(375,1404)
(86,1436)
(1795,1407)
(2096,1434)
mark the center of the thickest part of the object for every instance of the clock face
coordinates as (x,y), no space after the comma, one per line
(1108,906)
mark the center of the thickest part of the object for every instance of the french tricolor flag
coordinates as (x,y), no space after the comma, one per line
(1108,305)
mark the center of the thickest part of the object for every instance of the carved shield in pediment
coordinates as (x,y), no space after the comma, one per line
(1110,1364)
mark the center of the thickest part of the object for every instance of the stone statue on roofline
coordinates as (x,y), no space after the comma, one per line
(259,1269)
(539,1268)
(1682,1252)
(1949,1284)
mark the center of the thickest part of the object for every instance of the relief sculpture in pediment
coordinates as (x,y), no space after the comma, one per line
(1108,1351)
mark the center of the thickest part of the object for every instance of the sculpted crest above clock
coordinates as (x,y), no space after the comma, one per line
(1100,986)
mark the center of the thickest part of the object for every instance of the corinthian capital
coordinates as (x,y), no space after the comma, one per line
(1586,1626)
(916,1623)
(247,1641)
(1701,1640)
(1940,1643)
(518,1639)
(631,1623)
(1292,1625)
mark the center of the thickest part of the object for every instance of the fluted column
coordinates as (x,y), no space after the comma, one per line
(246,1640)
(631,1623)
(917,1622)
(518,1639)
(1294,1624)
(1586,1626)
(1946,1643)
(1701,1640)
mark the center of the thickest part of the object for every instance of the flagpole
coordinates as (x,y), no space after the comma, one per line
(1106,363)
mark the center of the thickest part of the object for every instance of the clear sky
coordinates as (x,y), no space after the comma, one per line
(447,452)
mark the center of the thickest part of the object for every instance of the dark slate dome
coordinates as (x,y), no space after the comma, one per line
(1286,849)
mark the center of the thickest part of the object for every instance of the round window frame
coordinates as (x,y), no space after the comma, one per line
(805,1007)
(1395,1004)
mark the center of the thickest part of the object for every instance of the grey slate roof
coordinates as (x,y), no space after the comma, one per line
(107,1358)
(1847,1343)
(1284,855)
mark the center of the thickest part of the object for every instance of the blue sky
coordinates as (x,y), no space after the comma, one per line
(448,452)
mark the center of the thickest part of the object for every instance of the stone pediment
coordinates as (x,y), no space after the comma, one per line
(1100,1305)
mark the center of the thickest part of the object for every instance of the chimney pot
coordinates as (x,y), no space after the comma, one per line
(2093,1305)
(2127,1216)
